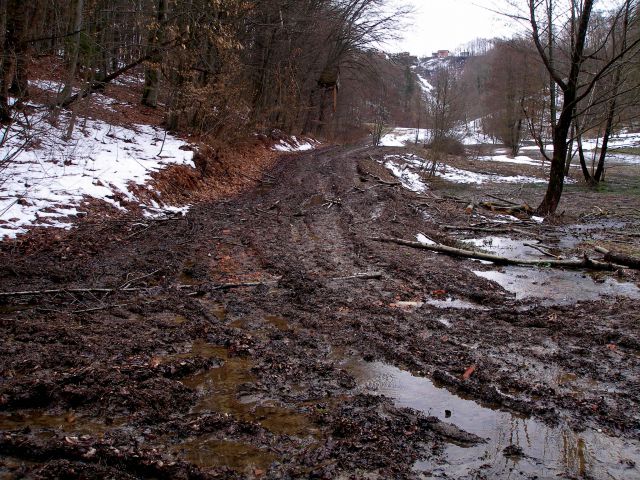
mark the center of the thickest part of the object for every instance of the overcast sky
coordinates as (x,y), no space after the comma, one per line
(447,24)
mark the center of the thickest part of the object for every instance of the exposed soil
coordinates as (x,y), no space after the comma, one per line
(172,376)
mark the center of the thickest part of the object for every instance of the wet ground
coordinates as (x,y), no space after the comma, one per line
(243,341)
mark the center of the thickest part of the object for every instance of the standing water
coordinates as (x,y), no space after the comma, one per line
(514,443)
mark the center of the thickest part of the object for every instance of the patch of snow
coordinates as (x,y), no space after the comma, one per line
(621,140)
(623,158)
(519,160)
(47,85)
(425,85)
(52,175)
(401,167)
(158,211)
(472,133)
(424,240)
(457,175)
(410,180)
(505,219)
(400,137)
(537,219)
(296,145)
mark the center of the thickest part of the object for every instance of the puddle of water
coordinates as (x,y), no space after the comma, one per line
(69,423)
(279,322)
(221,389)
(571,236)
(10,467)
(547,451)
(316,201)
(211,453)
(218,310)
(506,247)
(455,304)
(179,319)
(557,287)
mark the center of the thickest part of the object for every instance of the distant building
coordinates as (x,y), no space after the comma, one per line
(405,58)
(465,54)
(442,53)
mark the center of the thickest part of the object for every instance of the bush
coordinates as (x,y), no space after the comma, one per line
(447,145)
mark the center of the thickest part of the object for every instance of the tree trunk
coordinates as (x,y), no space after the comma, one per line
(570,154)
(583,160)
(556,177)
(67,91)
(152,72)
(569,89)
(5,76)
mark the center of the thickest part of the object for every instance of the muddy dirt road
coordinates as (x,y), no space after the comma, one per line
(267,336)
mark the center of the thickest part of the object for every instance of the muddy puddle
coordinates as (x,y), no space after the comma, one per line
(69,423)
(558,287)
(513,443)
(230,389)
(546,285)
(212,452)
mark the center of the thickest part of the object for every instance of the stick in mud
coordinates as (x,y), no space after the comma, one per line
(626,260)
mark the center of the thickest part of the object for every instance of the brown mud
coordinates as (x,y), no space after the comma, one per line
(431,370)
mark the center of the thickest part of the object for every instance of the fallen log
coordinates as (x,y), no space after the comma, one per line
(359,276)
(585,262)
(509,209)
(620,258)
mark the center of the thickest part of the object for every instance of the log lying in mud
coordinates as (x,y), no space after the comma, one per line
(620,258)
(585,262)
(209,286)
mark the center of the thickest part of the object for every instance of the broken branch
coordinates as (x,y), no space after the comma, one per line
(585,262)
(620,258)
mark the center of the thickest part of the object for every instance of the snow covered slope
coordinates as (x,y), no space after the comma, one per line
(44,177)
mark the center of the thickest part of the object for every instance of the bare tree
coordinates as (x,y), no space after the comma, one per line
(444,112)
(574,81)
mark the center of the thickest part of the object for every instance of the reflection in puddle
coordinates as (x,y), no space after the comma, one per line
(506,247)
(547,451)
(557,287)
(210,453)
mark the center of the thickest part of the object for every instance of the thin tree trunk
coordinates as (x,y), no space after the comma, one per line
(613,103)
(5,112)
(152,72)
(67,91)
(583,160)
(572,134)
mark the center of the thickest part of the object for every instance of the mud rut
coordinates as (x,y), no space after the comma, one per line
(201,382)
